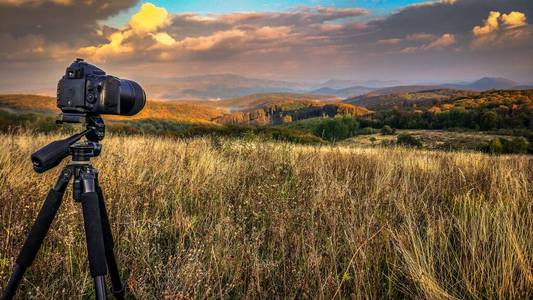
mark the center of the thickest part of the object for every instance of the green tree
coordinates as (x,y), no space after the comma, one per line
(335,129)
(489,120)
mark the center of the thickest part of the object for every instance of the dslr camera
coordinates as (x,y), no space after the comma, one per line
(83,94)
(87,90)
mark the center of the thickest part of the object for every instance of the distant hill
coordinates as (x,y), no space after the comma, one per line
(501,99)
(261,100)
(403,89)
(160,110)
(444,99)
(227,86)
(343,93)
(484,84)
(407,100)
(216,86)
(338,84)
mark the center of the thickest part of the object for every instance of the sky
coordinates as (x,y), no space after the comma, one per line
(303,41)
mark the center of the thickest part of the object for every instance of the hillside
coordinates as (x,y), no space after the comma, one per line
(486,83)
(506,99)
(157,110)
(405,100)
(288,112)
(345,92)
(256,101)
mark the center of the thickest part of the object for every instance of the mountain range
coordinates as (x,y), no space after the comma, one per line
(224,86)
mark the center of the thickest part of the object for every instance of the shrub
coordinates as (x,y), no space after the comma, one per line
(387,130)
(495,146)
(503,146)
(336,129)
(368,130)
(408,140)
(518,145)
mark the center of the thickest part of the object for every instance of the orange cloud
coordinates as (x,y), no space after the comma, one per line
(149,19)
(514,19)
(491,24)
(113,48)
(164,38)
(491,33)
(445,40)
(441,42)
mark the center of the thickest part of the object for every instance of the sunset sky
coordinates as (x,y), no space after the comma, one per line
(306,41)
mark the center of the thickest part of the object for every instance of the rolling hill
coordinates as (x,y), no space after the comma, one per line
(288,112)
(343,93)
(177,111)
(404,100)
(256,101)
(485,83)
(503,100)
(216,87)
(157,110)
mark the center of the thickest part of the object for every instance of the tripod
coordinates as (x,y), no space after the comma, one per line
(86,190)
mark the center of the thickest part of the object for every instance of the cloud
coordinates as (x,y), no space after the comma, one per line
(514,19)
(183,35)
(34,2)
(491,24)
(441,42)
(301,43)
(164,39)
(389,41)
(445,40)
(59,24)
(500,30)
(149,19)
(115,47)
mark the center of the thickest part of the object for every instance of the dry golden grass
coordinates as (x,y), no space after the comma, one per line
(210,218)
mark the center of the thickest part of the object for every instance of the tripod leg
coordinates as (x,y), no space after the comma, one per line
(118,286)
(93,231)
(37,233)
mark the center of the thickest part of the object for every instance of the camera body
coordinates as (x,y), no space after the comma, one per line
(86,89)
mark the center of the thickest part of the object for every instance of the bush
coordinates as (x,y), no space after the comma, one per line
(518,145)
(368,130)
(336,129)
(387,130)
(504,146)
(495,146)
(408,140)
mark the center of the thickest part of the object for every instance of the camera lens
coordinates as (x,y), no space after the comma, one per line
(132,97)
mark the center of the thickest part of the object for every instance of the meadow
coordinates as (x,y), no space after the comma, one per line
(237,218)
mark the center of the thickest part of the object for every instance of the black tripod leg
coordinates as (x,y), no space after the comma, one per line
(37,233)
(118,286)
(93,231)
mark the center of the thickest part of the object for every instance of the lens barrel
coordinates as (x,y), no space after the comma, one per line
(132,97)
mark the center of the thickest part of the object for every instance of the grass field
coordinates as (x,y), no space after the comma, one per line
(430,139)
(217,218)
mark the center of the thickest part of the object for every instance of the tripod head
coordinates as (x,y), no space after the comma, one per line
(52,154)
